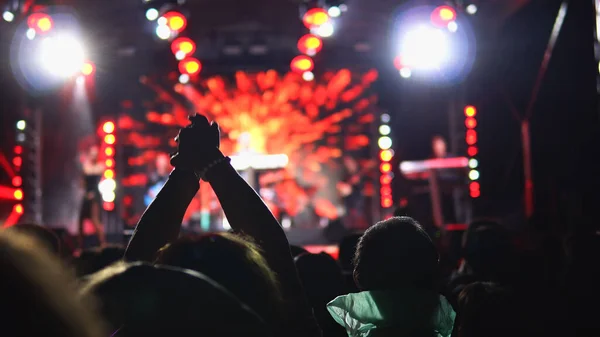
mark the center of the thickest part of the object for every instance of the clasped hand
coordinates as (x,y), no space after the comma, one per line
(198,144)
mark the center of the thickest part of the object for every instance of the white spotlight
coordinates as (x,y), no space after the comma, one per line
(8,16)
(452,26)
(324,30)
(343,8)
(334,11)
(425,48)
(151,14)
(30,34)
(405,73)
(385,118)
(471,9)
(62,56)
(163,32)
(162,21)
(109,196)
(21,125)
(308,76)
(384,130)
(184,78)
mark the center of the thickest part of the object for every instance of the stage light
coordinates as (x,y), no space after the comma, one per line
(108,196)
(8,16)
(385,118)
(387,202)
(308,76)
(17,161)
(334,11)
(473,163)
(62,55)
(18,149)
(315,17)
(405,73)
(452,26)
(184,78)
(470,111)
(18,194)
(386,155)
(175,21)
(424,48)
(310,44)
(474,186)
(109,139)
(470,123)
(108,206)
(302,63)
(386,190)
(30,34)
(163,32)
(183,47)
(325,30)
(108,127)
(109,163)
(384,142)
(152,14)
(475,194)
(385,167)
(473,174)
(109,174)
(18,209)
(472,151)
(107,186)
(21,125)
(40,22)
(190,66)
(471,9)
(385,179)
(471,137)
(88,68)
(442,15)
(109,151)
(384,130)
(17,181)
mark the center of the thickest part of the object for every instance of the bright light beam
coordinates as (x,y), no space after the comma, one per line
(62,55)
(425,48)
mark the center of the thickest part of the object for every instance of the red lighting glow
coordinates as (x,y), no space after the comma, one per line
(18,149)
(302,63)
(443,15)
(40,22)
(470,111)
(471,137)
(109,206)
(17,161)
(183,45)
(474,186)
(315,17)
(109,139)
(385,179)
(108,127)
(386,190)
(176,21)
(17,181)
(18,194)
(387,202)
(190,66)
(470,123)
(472,151)
(475,194)
(310,44)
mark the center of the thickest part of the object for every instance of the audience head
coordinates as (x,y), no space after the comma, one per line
(235,262)
(347,249)
(321,277)
(44,235)
(487,249)
(93,260)
(396,253)
(297,250)
(143,300)
(38,294)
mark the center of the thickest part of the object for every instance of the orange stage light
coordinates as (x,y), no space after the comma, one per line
(470,111)
(18,209)
(386,155)
(190,66)
(18,194)
(385,179)
(17,161)
(470,123)
(108,127)
(471,137)
(109,174)
(40,22)
(88,68)
(17,181)
(386,190)
(109,139)
(310,44)
(315,17)
(109,151)
(443,15)
(176,21)
(302,63)
(109,163)
(385,167)
(184,45)
(387,202)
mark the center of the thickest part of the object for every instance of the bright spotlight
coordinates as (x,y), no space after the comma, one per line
(184,78)
(108,196)
(334,11)
(385,118)
(62,56)
(384,142)
(308,76)
(163,32)
(384,130)
(424,48)
(452,26)
(162,21)
(21,125)
(30,34)
(405,72)
(471,9)
(324,30)
(151,14)
(8,16)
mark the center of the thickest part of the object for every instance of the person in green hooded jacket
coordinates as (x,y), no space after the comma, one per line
(396,267)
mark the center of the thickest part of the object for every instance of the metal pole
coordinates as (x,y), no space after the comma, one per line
(526,142)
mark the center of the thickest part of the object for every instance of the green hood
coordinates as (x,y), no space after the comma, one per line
(393,313)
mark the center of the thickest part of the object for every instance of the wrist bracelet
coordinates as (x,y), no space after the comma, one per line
(202,174)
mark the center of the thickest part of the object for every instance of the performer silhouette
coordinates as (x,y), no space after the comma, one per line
(90,208)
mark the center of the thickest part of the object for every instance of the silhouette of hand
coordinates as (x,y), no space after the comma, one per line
(198,144)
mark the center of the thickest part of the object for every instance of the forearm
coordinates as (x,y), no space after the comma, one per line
(161,222)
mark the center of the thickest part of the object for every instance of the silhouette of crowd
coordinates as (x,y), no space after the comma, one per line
(391,280)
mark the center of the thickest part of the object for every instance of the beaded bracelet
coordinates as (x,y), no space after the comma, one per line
(202,174)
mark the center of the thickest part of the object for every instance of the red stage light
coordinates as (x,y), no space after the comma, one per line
(385,167)
(310,44)
(18,149)
(108,127)
(385,179)
(109,151)
(475,194)
(443,15)
(470,111)
(109,174)
(386,155)
(474,186)
(398,62)
(176,21)
(109,163)
(471,137)
(470,123)
(315,17)
(387,202)
(88,68)
(190,66)
(17,161)
(40,22)
(18,209)
(302,63)
(108,206)
(386,190)
(472,151)
(18,194)
(183,45)
(17,181)
(109,139)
